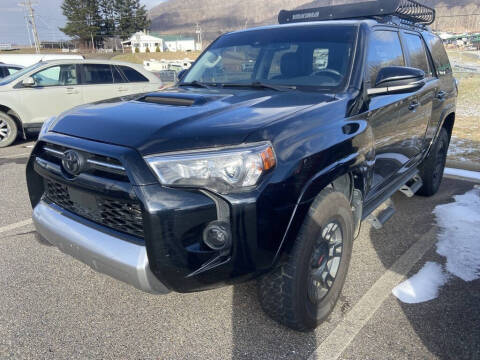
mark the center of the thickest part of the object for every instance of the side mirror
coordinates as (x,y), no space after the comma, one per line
(398,80)
(181,74)
(28,82)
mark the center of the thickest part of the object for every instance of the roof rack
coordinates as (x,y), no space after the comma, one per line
(408,10)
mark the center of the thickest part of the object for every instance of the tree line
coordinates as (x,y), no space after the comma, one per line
(92,21)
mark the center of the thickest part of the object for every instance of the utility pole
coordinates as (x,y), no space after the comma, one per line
(28,7)
(26,24)
(198,31)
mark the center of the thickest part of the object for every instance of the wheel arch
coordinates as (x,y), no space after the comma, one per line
(348,176)
(449,123)
(13,114)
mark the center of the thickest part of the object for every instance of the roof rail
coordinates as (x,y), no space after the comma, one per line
(409,10)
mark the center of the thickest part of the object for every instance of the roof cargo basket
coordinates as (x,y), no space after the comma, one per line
(408,10)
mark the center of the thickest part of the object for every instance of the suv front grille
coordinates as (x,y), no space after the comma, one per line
(98,165)
(118,214)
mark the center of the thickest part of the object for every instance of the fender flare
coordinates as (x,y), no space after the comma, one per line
(355,164)
(445,114)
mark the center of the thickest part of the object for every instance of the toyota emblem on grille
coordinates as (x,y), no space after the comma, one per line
(72,162)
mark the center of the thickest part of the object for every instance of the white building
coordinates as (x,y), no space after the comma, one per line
(180,45)
(175,43)
(143,41)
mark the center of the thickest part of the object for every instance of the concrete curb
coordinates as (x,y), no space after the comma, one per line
(463,165)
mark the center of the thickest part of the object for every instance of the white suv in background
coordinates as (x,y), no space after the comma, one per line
(36,93)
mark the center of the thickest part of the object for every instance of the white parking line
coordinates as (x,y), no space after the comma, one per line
(341,337)
(15,226)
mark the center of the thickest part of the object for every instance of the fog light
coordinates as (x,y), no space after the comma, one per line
(217,235)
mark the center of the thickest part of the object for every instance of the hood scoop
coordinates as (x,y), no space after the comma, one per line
(178,99)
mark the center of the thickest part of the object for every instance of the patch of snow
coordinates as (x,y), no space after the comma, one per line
(463,150)
(423,286)
(473,175)
(459,239)
(459,243)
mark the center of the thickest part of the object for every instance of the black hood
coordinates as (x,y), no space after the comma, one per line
(181,119)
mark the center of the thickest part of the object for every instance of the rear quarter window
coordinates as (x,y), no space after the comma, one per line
(416,53)
(95,74)
(439,55)
(133,75)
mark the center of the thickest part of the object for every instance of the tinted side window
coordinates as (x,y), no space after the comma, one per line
(384,50)
(2,72)
(439,55)
(12,70)
(97,74)
(133,75)
(416,53)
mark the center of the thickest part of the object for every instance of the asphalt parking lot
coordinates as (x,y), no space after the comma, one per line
(53,307)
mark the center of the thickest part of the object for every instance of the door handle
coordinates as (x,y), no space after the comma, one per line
(413,106)
(71,90)
(122,88)
(441,95)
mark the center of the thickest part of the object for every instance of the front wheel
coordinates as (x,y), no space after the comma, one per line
(301,292)
(8,130)
(433,167)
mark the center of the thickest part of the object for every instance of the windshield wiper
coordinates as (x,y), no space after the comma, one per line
(261,85)
(195,83)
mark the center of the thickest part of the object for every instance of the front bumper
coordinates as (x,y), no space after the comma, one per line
(123,260)
(172,251)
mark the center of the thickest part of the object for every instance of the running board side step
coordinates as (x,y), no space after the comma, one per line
(411,187)
(382,214)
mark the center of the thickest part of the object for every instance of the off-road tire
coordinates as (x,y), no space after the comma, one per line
(433,167)
(11,127)
(283,292)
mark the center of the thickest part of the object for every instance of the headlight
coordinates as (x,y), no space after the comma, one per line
(46,125)
(222,171)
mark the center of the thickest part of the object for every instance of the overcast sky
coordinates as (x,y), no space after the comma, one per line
(48,17)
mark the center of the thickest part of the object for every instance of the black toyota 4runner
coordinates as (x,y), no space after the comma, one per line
(261,162)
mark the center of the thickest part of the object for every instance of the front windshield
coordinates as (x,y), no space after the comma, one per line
(19,73)
(310,56)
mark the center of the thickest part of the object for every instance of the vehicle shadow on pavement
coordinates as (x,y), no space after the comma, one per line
(18,161)
(448,326)
(257,336)
(23,142)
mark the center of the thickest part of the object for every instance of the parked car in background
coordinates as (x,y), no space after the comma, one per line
(8,69)
(46,89)
(167,76)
